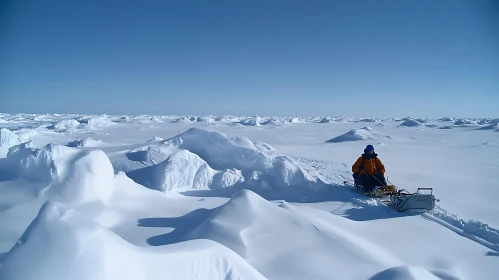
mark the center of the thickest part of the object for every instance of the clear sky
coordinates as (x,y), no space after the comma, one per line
(354,58)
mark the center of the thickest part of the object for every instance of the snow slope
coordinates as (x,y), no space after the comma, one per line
(364,133)
(242,202)
(9,139)
(62,244)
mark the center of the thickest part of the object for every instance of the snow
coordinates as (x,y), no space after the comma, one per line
(9,139)
(410,123)
(182,170)
(327,120)
(62,244)
(364,133)
(195,200)
(253,121)
(87,142)
(64,125)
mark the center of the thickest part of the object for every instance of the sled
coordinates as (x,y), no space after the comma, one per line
(423,199)
(401,200)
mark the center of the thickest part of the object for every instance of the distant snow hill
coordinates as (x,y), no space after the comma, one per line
(410,123)
(365,133)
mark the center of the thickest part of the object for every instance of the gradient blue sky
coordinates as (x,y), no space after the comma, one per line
(355,58)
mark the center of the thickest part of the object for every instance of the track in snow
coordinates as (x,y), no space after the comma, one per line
(335,174)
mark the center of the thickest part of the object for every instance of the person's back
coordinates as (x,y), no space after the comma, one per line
(368,170)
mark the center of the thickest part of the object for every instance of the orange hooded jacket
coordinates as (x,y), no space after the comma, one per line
(370,165)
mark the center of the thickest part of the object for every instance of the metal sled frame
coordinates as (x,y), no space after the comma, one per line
(423,199)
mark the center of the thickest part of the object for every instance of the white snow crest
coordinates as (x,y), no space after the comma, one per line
(182,170)
(9,138)
(74,176)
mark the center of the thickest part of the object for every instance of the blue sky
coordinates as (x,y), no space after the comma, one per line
(354,58)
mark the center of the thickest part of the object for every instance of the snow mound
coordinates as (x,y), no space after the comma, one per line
(205,119)
(221,152)
(87,142)
(9,138)
(295,120)
(64,125)
(368,120)
(405,273)
(185,119)
(410,123)
(252,226)
(62,244)
(46,164)
(3,121)
(253,121)
(97,122)
(446,119)
(327,120)
(181,171)
(365,133)
(271,121)
(74,176)
(465,122)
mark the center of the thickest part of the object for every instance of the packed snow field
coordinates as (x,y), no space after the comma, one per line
(228,197)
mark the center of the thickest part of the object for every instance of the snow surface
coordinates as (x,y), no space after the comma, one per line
(149,197)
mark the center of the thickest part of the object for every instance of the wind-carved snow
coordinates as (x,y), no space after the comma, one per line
(65,125)
(207,159)
(252,226)
(74,176)
(62,244)
(365,133)
(182,170)
(9,138)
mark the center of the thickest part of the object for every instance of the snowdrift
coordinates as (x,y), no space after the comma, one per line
(410,123)
(183,170)
(64,125)
(327,120)
(365,133)
(96,122)
(62,244)
(405,273)
(9,138)
(465,122)
(207,159)
(253,121)
(87,142)
(73,176)
(254,228)
(493,126)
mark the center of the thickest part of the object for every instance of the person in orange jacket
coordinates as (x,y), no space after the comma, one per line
(368,170)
